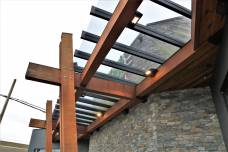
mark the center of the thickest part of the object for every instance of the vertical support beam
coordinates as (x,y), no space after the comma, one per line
(68,132)
(48,126)
(195,30)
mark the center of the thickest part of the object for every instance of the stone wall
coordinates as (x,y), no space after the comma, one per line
(178,121)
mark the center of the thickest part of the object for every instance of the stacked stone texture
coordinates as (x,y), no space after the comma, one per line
(178,121)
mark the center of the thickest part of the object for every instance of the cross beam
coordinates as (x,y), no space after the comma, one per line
(37,123)
(50,75)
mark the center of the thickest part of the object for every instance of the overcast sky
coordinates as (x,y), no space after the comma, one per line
(30,31)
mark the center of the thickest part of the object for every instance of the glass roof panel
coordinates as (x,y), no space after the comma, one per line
(87,46)
(167,22)
(91,106)
(130,60)
(87,120)
(185,3)
(108,5)
(127,36)
(120,74)
(96,25)
(97,100)
(148,44)
(88,116)
(88,111)
(113,72)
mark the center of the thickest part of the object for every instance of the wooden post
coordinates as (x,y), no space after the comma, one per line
(68,131)
(48,126)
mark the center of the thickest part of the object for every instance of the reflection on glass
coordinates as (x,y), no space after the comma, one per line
(87,46)
(106,102)
(127,36)
(108,5)
(185,3)
(91,106)
(165,21)
(130,60)
(121,74)
(96,25)
(113,72)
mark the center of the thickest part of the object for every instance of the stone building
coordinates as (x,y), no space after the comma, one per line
(178,28)
(177,121)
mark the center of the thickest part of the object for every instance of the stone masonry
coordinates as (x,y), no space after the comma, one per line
(178,121)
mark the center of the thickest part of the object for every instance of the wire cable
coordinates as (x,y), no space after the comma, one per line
(25,103)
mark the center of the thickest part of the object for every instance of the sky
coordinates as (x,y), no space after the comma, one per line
(30,31)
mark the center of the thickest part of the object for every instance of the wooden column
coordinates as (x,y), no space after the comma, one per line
(68,133)
(48,126)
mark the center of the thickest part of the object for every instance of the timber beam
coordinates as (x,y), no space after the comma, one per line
(48,125)
(68,130)
(37,123)
(50,75)
(122,15)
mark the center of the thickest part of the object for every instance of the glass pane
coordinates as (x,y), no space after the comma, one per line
(154,46)
(86,120)
(88,111)
(127,36)
(91,106)
(165,21)
(108,5)
(113,72)
(131,60)
(185,3)
(80,62)
(87,46)
(122,57)
(88,116)
(96,25)
(97,100)
(151,46)
(120,74)
(102,97)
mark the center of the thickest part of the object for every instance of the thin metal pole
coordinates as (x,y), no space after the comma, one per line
(7,100)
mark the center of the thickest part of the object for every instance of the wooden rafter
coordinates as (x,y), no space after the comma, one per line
(172,66)
(181,59)
(165,71)
(121,17)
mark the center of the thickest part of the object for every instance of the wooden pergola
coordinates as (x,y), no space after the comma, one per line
(189,67)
